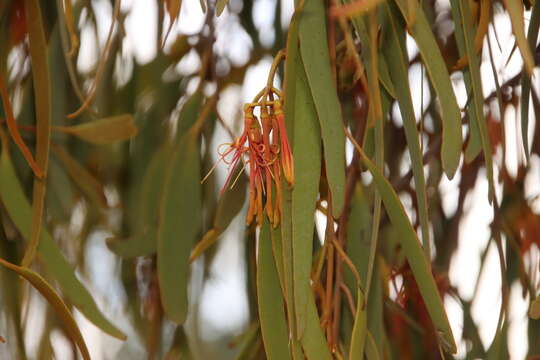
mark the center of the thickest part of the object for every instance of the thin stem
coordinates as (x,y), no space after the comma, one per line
(277,59)
(101,66)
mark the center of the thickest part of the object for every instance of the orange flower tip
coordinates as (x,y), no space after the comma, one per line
(269,210)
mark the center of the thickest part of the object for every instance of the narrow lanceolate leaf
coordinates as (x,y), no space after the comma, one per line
(140,244)
(55,301)
(375,117)
(396,56)
(179,225)
(413,252)
(87,182)
(144,240)
(316,58)
(313,341)
(478,97)
(230,204)
(359,333)
(18,208)
(440,79)
(103,131)
(481,31)
(384,76)
(228,207)
(515,10)
(271,310)
(282,236)
(292,65)
(532,36)
(372,353)
(307,164)
(189,113)
(358,236)
(42,96)
(474,145)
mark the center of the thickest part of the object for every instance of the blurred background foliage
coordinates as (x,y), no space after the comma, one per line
(112,247)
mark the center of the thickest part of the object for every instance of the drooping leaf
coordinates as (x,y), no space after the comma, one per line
(271,305)
(189,113)
(532,36)
(179,225)
(413,252)
(358,235)
(282,238)
(478,97)
(81,176)
(42,91)
(359,333)
(481,31)
(395,53)
(103,131)
(19,210)
(55,301)
(313,341)
(515,10)
(384,76)
(440,79)
(230,204)
(307,163)
(372,353)
(316,59)
(228,207)
(474,145)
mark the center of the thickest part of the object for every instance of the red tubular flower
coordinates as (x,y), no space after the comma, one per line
(267,128)
(286,153)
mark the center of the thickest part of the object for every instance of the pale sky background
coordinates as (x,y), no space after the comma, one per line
(223,304)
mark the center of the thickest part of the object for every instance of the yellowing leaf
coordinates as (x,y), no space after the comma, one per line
(515,10)
(355,8)
(173,8)
(220,6)
(534,309)
(55,301)
(103,131)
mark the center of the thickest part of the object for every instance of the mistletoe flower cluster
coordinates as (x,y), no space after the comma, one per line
(263,147)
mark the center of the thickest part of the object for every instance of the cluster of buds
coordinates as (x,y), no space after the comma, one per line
(264,148)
